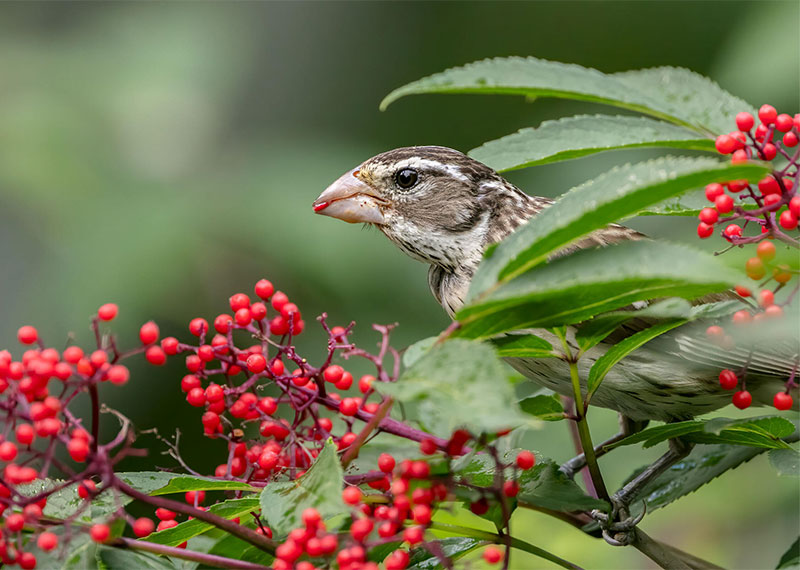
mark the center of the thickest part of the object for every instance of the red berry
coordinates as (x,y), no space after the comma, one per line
(198,326)
(794,206)
(351,495)
(264,289)
(256,363)
(349,406)
(492,554)
(790,140)
(8,451)
(744,121)
(170,345)
(361,529)
(732,231)
(761,133)
(739,156)
(397,560)
(414,535)
(164,525)
(196,397)
(771,200)
(100,532)
(148,333)
(386,463)
(47,541)
(725,144)
(782,401)
(480,507)
(769,185)
(258,311)
(118,374)
(723,203)
(704,230)
(243,317)
(27,334)
(428,446)
(25,434)
(333,373)
(714,190)
(222,323)
(107,312)
(195,497)
(311,518)
(239,301)
(525,460)
(728,380)
(742,399)
(708,215)
(742,292)
(787,220)
(143,527)
(78,449)
(27,560)
(767,114)
(769,151)
(155,355)
(279,299)
(510,488)
(784,122)
(737,185)
(766,298)
(765,250)
(165,514)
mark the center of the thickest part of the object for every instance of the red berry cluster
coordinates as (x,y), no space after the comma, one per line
(772,206)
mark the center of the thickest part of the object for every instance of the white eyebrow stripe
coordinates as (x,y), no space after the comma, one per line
(422,163)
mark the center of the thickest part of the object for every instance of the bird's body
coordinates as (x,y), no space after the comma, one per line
(443,208)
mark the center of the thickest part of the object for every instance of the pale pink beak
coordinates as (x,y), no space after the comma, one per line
(351,200)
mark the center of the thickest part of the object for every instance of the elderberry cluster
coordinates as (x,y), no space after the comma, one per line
(772,207)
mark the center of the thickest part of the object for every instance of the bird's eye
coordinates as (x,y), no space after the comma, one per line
(406,178)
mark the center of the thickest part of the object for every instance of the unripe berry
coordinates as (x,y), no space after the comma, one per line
(744,121)
(782,401)
(766,250)
(782,274)
(767,114)
(784,123)
(766,298)
(728,380)
(107,312)
(754,268)
(742,399)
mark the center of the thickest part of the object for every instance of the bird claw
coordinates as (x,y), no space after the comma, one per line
(618,526)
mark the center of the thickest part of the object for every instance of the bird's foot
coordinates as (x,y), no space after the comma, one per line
(618,526)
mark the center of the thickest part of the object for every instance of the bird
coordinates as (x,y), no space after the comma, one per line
(443,208)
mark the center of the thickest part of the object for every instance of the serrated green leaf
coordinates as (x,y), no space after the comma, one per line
(523,345)
(677,95)
(547,408)
(785,461)
(124,559)
(618,194)
(65,502)
(605,363)
(574,137)
(162,483)
(579,286)
(413,352)
(453,547)
(188,529)
(457,384)
(687,204)
(791,558)
(547,487)
(704,464)
(283,503)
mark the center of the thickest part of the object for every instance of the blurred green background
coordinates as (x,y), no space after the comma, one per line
(165,155)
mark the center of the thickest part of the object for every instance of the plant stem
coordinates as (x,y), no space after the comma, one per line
(204,559)
(95,417)
(500,539)
(666,556)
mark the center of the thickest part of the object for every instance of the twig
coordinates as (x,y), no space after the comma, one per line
(175,552)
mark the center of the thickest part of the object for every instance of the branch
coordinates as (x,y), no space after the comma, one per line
(204,559)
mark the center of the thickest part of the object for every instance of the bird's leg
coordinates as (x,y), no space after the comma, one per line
(627,427)
(618,526)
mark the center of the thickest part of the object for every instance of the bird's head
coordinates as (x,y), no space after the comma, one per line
(435,203)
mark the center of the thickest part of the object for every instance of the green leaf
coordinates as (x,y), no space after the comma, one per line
(785,461)
(547,487)
(677,95)
(618,194)
(523,345)
(457,384)
(283,503)
(546,408)
(413,352)
(704,464)
(688,204)
(605,363)
(453,547)
(194,527)
(579,286)
(790,558)
(234,547)
(124,559)
(763,432)
(574,137)
(161,483)
(65,502)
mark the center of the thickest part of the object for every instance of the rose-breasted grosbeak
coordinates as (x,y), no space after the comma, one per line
(443,208)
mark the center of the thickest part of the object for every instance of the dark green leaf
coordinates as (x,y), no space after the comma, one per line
(65,502)
(124,559)
(688,204)
(162,483)
(573,137)
(453,547)
(785,461)
(194,527)
(677,95)
(790,558)
(523,345)
(546,408)
(231,546)
(706,462)
(547,487)
(605,363)
(457,384)
(579,286)
(283,503)
(618,194)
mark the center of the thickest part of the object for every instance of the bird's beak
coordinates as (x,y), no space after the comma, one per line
(352,200)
